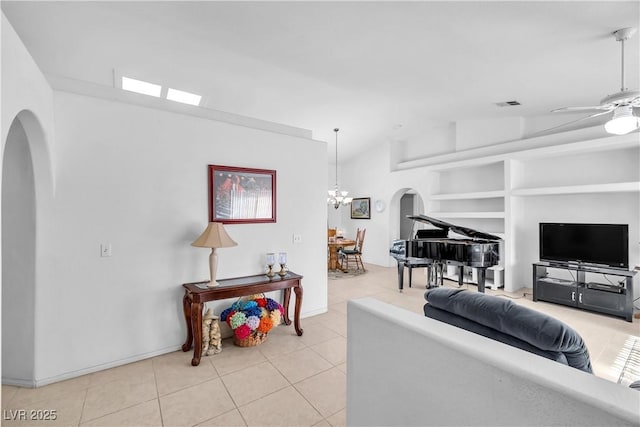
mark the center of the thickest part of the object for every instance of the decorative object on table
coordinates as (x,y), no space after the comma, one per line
(361,208)
(211,336)
(282,260)
(336,197)
(214,236)
(271,260)
(251,319)
(241,195)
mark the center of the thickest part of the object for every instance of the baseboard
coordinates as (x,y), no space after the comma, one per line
(80,372)
(18,383)
(314,312)
(73,374)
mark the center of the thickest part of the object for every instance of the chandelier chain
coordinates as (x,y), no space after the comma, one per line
(337,197)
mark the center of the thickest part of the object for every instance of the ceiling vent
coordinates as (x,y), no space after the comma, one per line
(507,104)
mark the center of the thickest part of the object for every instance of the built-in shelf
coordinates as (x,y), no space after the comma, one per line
(474,195)
(539,147)
(509,188)
(617,187)
(467,214)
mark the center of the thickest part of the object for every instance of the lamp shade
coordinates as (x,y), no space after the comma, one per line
(215,236)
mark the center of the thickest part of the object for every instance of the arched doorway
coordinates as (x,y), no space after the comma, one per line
(19,252)
(405,201)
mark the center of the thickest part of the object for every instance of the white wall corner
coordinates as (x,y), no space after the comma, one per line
(474,133)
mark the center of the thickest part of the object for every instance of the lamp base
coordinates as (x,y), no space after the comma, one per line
(212,284)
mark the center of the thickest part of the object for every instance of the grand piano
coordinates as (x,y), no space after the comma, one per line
(434,249)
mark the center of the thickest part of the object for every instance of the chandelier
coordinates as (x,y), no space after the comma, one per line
(337,197)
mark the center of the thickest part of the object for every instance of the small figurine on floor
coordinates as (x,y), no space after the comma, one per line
(211,337)
(215,337)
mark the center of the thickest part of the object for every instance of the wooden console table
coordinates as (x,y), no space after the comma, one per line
(195,296)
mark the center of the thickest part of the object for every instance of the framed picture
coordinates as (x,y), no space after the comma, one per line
(361,208)
(241,195)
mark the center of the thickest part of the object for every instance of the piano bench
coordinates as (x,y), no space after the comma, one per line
(410,264)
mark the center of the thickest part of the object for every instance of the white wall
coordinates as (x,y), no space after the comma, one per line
(369,174)
(429,139)
(27,103)
(135,177)
(473,133)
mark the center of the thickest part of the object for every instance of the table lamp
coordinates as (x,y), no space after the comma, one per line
(215,236)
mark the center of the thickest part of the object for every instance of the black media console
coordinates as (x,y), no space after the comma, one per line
(614,297)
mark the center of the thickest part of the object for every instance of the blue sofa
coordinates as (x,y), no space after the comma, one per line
(502,320)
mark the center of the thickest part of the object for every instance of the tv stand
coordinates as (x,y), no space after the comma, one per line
(608,298)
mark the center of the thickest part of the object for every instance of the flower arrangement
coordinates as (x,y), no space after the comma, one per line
(252,318)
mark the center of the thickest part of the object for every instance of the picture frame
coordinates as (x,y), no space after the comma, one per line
(361,208)
(240,195)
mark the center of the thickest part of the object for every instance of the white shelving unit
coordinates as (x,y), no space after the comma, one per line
(508,193)
(467,214)
(616,187)
(470,196)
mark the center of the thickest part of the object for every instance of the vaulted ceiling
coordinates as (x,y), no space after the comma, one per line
(381,71)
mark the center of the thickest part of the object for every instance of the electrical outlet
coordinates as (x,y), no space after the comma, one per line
(105,249)
(297,238)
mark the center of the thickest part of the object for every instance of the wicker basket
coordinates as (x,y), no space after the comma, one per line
(254,339)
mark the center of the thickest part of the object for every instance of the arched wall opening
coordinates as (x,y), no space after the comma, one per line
(397,211)
(19,251)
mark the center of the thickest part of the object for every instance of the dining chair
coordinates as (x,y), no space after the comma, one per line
(355,254)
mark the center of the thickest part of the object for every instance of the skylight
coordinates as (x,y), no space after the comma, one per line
(140,86)
(184,97)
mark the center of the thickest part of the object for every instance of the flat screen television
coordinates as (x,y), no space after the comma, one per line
(595,244)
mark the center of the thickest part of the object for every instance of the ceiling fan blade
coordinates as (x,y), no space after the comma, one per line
(593,109)
(540,132)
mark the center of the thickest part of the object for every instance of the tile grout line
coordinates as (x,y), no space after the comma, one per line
(84,401)
(155,378)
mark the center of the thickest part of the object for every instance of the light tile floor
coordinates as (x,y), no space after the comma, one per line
(286,381)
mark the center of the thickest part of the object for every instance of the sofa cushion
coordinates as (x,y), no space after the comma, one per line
(469,325)
(505,317)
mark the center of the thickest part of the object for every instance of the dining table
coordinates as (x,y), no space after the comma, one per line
(333,245)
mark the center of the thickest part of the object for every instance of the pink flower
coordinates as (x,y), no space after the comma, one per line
(242,331)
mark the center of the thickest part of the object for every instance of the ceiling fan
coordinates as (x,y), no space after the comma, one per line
(621,103)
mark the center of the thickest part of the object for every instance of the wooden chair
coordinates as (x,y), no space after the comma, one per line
(355,254)
(331,232)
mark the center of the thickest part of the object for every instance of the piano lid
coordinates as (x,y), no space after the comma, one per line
(469,232)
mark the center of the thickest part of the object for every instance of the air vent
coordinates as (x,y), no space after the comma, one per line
(507,104)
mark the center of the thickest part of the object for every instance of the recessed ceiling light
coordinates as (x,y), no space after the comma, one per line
(184,97)
(140,86)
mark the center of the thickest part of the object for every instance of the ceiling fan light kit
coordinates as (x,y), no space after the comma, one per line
(621,104)
(623,121)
